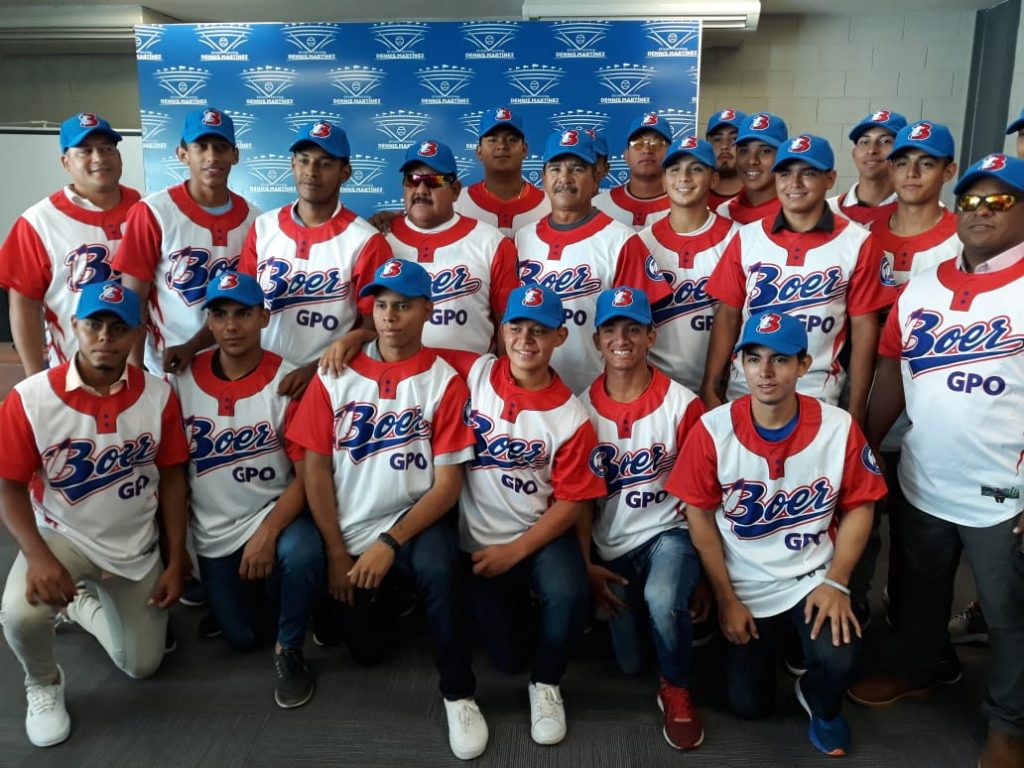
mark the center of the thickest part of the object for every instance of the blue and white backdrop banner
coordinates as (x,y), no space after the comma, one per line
(391,84)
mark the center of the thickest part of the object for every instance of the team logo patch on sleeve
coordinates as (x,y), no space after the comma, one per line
(651,268)
(886,275)
(867,458)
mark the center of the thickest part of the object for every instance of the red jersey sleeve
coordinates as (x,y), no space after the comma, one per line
(504,277)
(248,261)
(21,457)
(451,430)
(728,281)
(173,448)
(139,252)
(312,426)
(636,267)
(24,263)
(375,251)
(295,451)
(890,343)
(869,291)
(862,478)
(689,421)
(571,475)
(694,478)
(459,359)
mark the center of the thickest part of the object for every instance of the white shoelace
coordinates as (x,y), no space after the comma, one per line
(549,703)
(42,698)
(467,713)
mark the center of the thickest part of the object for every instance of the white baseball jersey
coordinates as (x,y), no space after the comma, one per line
(741,211)
(472,270)
(632,211)
(532,449)
(909,255)
(850,206)
(578,264)
(177,246)
(638,443)
(385,425)
(959,338)
(311,278)
(238,459)
(820,277)
(54,249)
(507,215)
(684,321)
(777,504)
(93,462)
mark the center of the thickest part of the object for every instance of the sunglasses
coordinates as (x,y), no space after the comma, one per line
(648,142)
(432,180)
(995,203)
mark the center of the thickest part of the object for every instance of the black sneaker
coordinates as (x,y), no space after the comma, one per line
(294,683)
(194,594)
(209,627)
(170,641)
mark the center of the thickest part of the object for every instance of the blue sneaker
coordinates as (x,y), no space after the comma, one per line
(830,736)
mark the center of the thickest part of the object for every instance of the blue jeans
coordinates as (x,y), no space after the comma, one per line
(248,611)
(662,574)
(557,576)
(750,669)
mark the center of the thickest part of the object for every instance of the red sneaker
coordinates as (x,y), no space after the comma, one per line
(684,728)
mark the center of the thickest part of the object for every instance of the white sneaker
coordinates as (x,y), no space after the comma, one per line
(467,729)
(547,713)
(46,719)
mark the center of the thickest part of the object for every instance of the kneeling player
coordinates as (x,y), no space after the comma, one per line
(780,491)
(261,559)
(648,565)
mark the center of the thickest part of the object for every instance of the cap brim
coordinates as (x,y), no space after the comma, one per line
(669,159)
(973,176)
(782,349)
(512,317)
(1015,126)
(120,312)
(298,144)
(810,161)
(625,314)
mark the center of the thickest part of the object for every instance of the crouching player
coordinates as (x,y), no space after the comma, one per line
(780,491)
(648,566)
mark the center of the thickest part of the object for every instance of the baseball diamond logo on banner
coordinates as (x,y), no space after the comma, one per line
(389,84)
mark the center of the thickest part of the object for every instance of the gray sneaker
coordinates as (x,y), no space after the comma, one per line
(294,682)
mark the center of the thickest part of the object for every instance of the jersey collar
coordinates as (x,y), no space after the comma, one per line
(625,415)
(426,243)
(775,454)
(103,408)
(389,375)
(515,399)
(227,393)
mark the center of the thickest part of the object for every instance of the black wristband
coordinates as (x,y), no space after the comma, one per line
(390,540)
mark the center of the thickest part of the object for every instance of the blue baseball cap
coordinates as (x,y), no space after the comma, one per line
(881,118)
(236,286)
(328,136)
(109,296)
(1006,169)
(498,117)
(1016,125)
(208,122)
(81,126)
(813,150)
(780,333)
(649,121)
(600,143)
(403,277)
(931,138)
(571,142)
(763,126)
(534,302)
(433,153)
(630,303)
(693,147)
(727,116)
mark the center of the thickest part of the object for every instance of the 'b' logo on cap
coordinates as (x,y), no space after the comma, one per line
(760,122)
(112,294)
(502,113)
(920,131)
(87,120)
(689,142)
(533,297)
(227,282)
(800,144)
(769,323)
(211,117)
(727,114)
(569,139)
(392,269)
(427,149)
(622,298)
(993,163)
(881,116)
(651,118)
(321,130)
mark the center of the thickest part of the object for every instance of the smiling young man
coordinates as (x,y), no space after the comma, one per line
(312,257)
(779,491)
(179,239)
(806,262)
(641,200)
(723,128)
(101,443)
(757,142)
(65,242)
(872,197)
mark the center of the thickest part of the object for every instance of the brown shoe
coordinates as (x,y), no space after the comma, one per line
(1002,750)
(883,690)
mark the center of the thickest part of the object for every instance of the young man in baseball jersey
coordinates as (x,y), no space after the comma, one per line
(578,251)
(952,354)
(646,567)
(779,491)
(723,128)
(312,257)
(503,198)
(641,200)
(385,444)
(687,244)
(260,557)
(178,239)
(471,264)
(809,263)
(101,444)
(527,486)
(872,197)
(759,137)
(65,242)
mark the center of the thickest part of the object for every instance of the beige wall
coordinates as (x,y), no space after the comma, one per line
(822,74)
